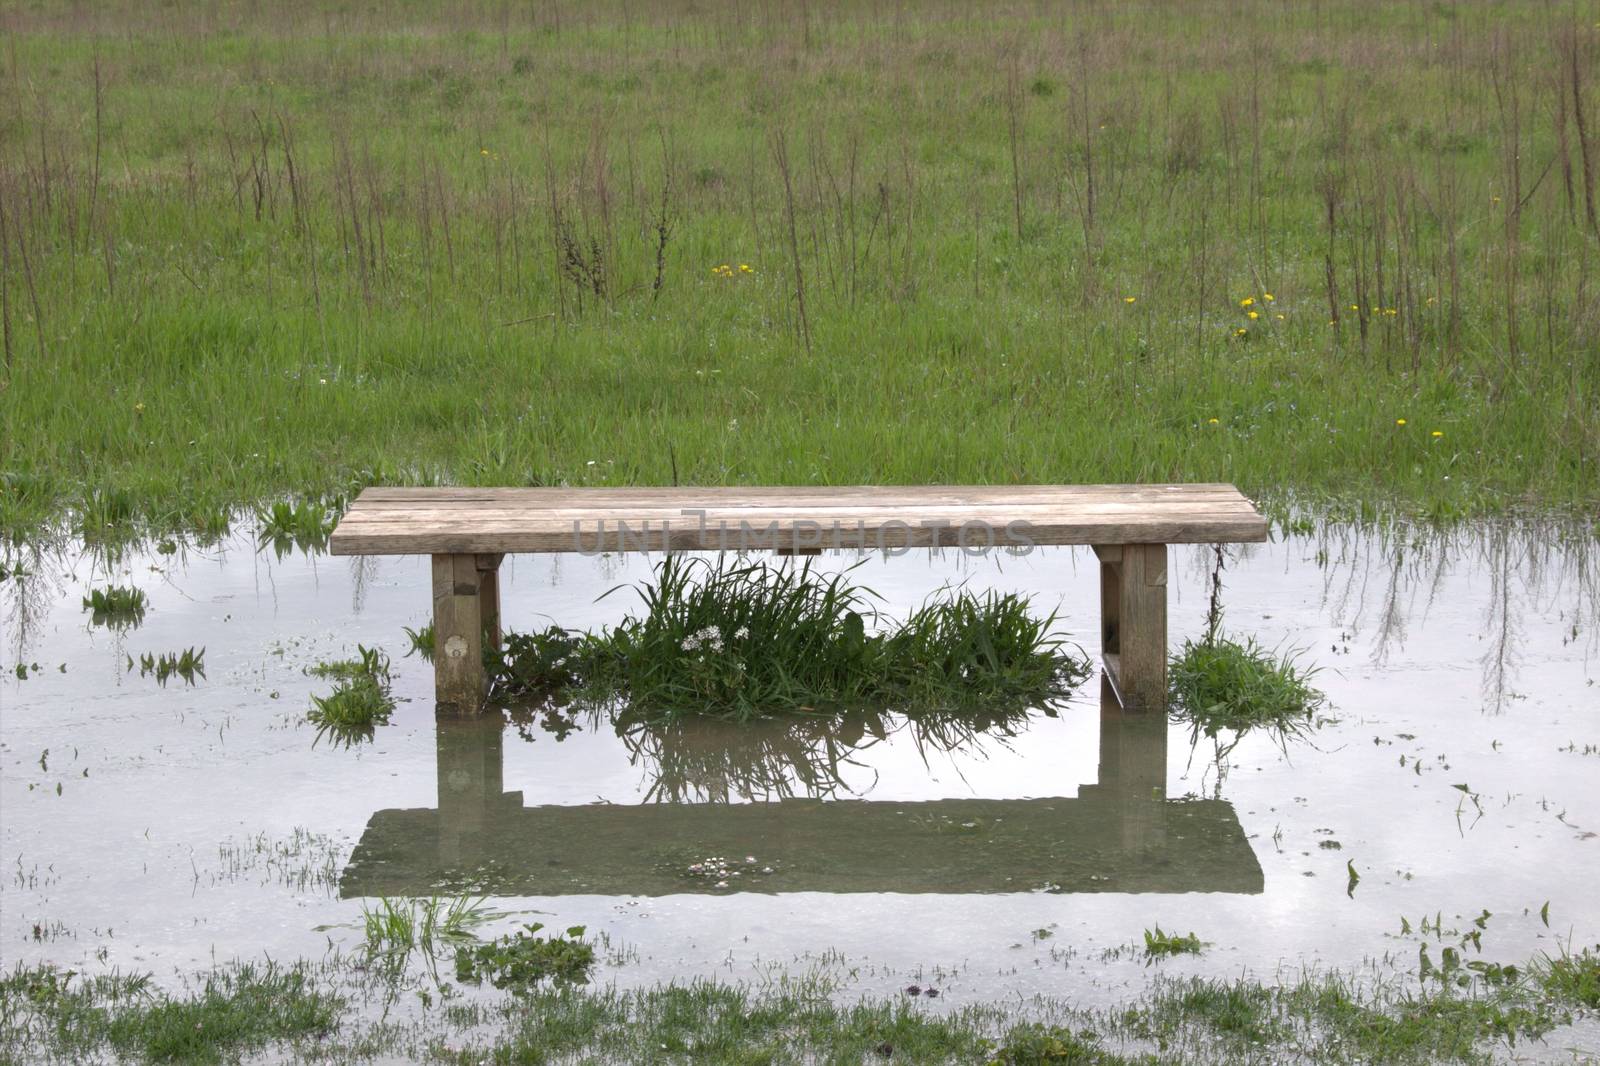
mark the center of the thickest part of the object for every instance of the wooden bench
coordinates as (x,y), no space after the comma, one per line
(469,531)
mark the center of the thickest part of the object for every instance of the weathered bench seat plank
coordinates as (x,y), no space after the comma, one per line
(505,521)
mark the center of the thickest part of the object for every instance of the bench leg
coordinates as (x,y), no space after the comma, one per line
(1133,620)
(489,597)
(458,625)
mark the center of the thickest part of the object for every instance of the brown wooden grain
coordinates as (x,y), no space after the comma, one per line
(401,521)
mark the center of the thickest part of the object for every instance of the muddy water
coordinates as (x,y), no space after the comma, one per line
(164,827)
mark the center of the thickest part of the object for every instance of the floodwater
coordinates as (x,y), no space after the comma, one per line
(164,828)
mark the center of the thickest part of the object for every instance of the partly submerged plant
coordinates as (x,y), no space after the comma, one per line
(1033,1044)
(1158,944)
(1223,689)
(753,640)
(1220,686)
(523,960)
(369,662)
(1571,978)
(287,525)
(359,702)
(352,710)
(115,606)
(396,927)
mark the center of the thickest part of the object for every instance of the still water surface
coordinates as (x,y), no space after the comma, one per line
(165,828)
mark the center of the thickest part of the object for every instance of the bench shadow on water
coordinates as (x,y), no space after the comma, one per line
(1120,834)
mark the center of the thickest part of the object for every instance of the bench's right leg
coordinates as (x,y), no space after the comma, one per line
(1133,620)
(458,632)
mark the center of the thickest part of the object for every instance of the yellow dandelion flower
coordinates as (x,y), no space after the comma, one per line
(138,408)
(1267,296)
(1240,332)
(1247,301)
(1438,433)
(1278,316)
(1212,421)
(1391,312)
(1355,307)
(744,268)
(1129,299)
(1254,315)
(1399,421)
(483,151)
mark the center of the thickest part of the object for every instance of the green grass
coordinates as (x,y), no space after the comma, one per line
(548,1014)
(116,606)
(751,640)
(397,927)
(1223,690)
(1158,944)
(521,961)
(368,662)
(423,244)
(360,700)
(287,525)
(1041,1045)
(236,1010)
(1571,979)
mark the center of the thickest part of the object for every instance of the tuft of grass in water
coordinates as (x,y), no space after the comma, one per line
(352,711)
(1158,944)
(397,927)
(116,606)
(753,640)
(369,662)
(1223,689)
(360,700)
(421,642)
(187,664)
(1041,1045)
(523,960)
(1218,686)
(287,525)
(1570,978)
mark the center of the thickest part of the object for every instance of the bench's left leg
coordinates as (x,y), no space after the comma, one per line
(457,632)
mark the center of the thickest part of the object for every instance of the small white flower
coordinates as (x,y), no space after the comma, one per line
(750,860)
(766,869)
(722,884)
(741,633)
(716,643)
(691,643)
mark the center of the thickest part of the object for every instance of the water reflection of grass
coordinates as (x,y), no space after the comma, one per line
(800,755)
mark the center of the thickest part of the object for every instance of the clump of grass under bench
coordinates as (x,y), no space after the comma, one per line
(754,640)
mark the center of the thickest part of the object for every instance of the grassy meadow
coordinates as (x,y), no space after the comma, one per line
(1341,252)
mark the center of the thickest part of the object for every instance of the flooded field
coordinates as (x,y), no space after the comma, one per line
(1450,796)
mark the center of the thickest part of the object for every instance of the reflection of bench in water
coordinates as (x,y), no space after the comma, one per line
(1119,835)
